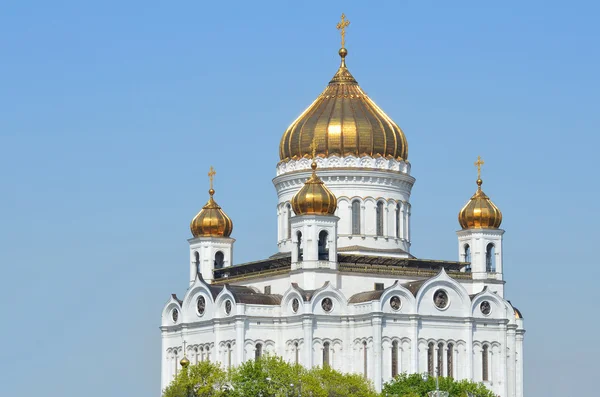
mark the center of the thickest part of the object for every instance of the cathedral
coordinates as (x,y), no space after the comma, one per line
(343,289)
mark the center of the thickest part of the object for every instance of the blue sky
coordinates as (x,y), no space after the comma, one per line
(111,114)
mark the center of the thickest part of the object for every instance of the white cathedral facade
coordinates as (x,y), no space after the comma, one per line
(343,290)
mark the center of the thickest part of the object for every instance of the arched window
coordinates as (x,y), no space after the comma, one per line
(379,217)
(398,221)
(229,355)
(196,354)
(440,359)
(394,358)
(490,258)
(356,217)
(299,246)
(323,249)
(450,360)
(430,353)
(468,257)
(219,260)
(258,351)
(325,354)
(197,261)
(296,351)
(201,354)
(484,363)
(365,359)
(289,220)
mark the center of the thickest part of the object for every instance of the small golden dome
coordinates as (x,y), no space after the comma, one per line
(314,198)
(480,212)
(343,121)
(184,362)
(211,221)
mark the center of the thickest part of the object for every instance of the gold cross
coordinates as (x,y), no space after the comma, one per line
(211,175)
(184,351)
(342,25)
(478,164)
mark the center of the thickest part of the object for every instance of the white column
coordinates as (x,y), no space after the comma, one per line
(469,348)
(376,323)
(307,326)
(363,222)
(519,364)
(240,328)
(414,322)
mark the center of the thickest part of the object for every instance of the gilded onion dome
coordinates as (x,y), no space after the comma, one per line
(480,212)
(343,121)
(314,198)
(184,362)
(211,221)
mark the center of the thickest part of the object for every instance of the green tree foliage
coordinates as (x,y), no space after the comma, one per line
(268,377)
(202,380)
(413,385)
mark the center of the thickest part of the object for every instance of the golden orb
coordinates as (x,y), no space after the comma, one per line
(211,221)
(480,212)
(314,198)
(184,362)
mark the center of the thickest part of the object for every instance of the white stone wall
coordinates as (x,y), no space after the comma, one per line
(365,180)
(231,338)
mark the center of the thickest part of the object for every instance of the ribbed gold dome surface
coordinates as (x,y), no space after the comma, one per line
(343,121)
(480,212)
(211,221)
(314,198)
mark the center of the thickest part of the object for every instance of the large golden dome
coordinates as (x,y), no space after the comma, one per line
(211,221)
(343,121)
(480,212)
(314,198)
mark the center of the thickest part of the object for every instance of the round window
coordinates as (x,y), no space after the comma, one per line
(175,315)
(227,306)
(201,305)
(440,298)
(395,302)
(485,308)
(295,305)
(327,304)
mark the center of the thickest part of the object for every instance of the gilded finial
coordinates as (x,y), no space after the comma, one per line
(341,26)
(184,361)
(211,175)
(478,164)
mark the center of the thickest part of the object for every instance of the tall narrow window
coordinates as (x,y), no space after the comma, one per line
(379,213)
(440,360)
(394,359)
(326,355)
(450,360)
(398,221)
(323,249)
(219,260)
(197,261)
(468,257)
(197,353)
(356,217)
(289,220)
(484,363)
(201,354)
(430,358)
(299,246)
(490,258)
(258,351)
(229,355)
(365,360)
(296,351)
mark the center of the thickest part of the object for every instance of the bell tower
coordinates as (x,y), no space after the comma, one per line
(480,240)
(211,247)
